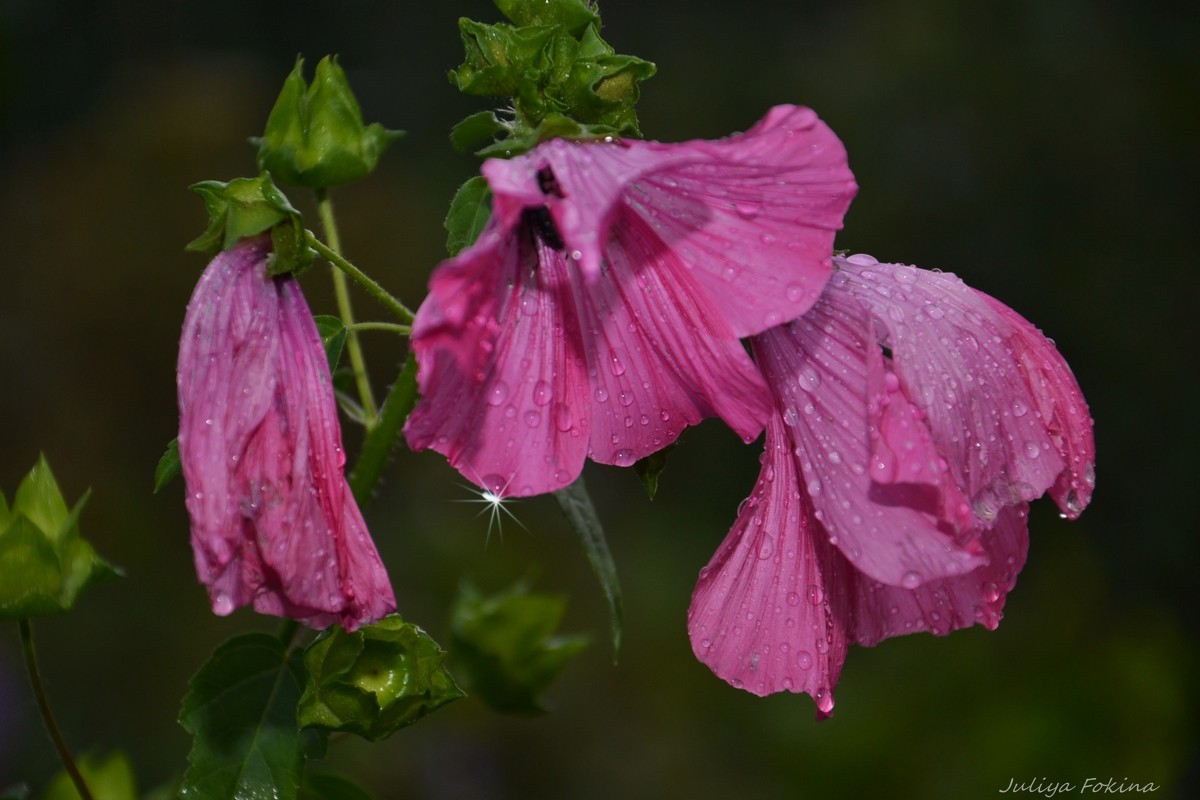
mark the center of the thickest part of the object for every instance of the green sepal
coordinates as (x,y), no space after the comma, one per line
(241,710)
(649,468)
(324,786)
(374,681)
(246,207)
(574,15)
(499,58)
(469,212)
(44,562)
(110,778)
(333,335)
(168,466)
(507,647)
(315,136)
(577,507)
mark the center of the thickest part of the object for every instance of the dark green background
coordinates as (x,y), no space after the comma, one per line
(1044,150)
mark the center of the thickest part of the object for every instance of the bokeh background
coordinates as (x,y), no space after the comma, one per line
(1044,150)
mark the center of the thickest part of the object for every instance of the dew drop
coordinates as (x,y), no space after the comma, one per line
(804,659)
(1032,450)
(624,458)
(497,394)
(541,393)
(911,580)
(617,365)
(533,418)
(601,394)
(809,379)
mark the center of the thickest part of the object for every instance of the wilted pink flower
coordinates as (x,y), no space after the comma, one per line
(600,310)
(273,520)
(915,418)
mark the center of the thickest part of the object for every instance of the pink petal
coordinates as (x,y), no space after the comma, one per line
(753,216)
(887,519)
(1001,405)
(503,380)
(949,604)
(763,613)
(660,355)
(273,521)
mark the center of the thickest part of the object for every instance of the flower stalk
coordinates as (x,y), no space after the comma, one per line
(342,291)
(39,691)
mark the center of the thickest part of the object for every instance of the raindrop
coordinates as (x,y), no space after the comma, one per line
(1032,450)
(748,209)
(1019,409)
(911,580)
(541,393)
(624,458)
(804,659)
(617,366)
(533,418)
(601,394)
(497,394)
(794,292)
(793,599)
(809,379)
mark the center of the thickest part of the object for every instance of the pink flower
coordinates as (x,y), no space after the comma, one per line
(915,418)
(600,310)
(273,520)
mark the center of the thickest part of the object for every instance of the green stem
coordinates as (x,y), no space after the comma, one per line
(372,288)
(403,330)
(358,364)
(39,691)
(380,441)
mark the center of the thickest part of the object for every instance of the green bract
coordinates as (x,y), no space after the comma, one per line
(507,645)
(247,207)
(374,681)
(44,562)
(564,80)
(315,135)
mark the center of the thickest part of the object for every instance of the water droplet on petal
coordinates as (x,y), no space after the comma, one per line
(533,418)
(911,580)
(1032,450)
(624,458)
(809,379)
(804,659)
(497,394)
(541,393)
(1019,409)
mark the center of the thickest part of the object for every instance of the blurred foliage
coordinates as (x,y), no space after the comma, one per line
(1044,150)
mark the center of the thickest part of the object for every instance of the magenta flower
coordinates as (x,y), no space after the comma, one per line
(915,418)
(273,520)
(600,310)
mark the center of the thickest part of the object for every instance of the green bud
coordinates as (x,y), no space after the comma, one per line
(374,681)
(44,562)
(573,15)
(507,646)
(315,136)
(246,207)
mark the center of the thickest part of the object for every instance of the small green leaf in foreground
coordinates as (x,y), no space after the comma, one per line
(109,778)
(168,466)
(507,646)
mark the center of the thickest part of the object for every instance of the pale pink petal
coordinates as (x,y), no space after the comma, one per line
(894,530)
(1001,405)
(763,613)
(273,521)
(949,604)
(753,216)
(503,378)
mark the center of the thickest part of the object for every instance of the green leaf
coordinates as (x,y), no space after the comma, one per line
(469,212)
(110,778)
(241,709)
(474,130)
(650,467)
(323,786)
(315,136)
(44,562)
(577,506)
(333,335)
(168,466)
(374,681)
(506,645)
(383,437)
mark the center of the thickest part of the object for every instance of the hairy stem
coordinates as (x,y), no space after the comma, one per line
(342,291)
(39,691)
(402,312)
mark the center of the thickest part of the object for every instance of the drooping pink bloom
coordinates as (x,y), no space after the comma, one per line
(915,418)
(273,520)
(599,312)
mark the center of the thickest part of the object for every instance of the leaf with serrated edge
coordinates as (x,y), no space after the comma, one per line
(241,709)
